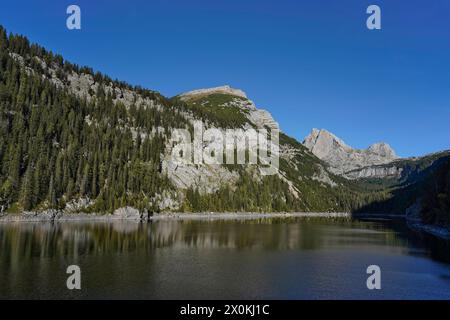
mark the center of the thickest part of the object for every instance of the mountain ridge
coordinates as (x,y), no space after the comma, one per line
(107,146)
(341,157)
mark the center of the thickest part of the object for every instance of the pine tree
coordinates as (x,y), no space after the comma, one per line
(27,189)
(52,193)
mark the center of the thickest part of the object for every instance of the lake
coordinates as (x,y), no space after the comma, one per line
(269,258)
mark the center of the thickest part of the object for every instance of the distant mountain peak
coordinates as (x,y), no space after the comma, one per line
(226,89)
(343,158)
(384,149)
(317,138)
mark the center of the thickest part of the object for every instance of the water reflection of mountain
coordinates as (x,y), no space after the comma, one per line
(73,239)
(272,258)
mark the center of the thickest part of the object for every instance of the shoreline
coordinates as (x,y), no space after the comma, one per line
(247,215)
(67,217)
(56,216)
(434,230)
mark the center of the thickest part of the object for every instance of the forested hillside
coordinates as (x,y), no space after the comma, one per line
(75,140)
(56,147)
(423,182)
(436,197)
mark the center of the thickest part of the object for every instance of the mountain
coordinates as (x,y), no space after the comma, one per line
(342,158)
(75,140)
(378,162)
(224,99)
(417,184)
(308,185)
(422,192)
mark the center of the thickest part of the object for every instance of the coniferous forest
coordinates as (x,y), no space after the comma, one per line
(49,153)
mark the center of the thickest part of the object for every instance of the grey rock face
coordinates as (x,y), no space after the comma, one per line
(222,89)
(167,201)
(375,172)
(210,178)
(76,205)
(262,118)
(343,158)
(205,178)
(127,213)
(259,117)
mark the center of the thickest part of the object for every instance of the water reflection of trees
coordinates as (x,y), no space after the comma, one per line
(74,239)
(418,243)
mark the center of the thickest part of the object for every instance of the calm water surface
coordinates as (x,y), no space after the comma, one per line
(222,259)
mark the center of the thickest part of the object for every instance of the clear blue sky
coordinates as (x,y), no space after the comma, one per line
(310,63)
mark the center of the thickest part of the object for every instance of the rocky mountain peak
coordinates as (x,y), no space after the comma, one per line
(383,149)
(226,89)
(321,142)
(343,158)
(238,99)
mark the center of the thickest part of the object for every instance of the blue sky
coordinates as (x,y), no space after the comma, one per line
(310,63)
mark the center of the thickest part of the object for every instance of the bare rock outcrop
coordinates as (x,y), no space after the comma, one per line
(207,178)
(222,89)
(128,213)
(259,117)
(342,158)
(375,172)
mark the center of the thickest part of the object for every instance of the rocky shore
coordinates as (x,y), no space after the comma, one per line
(126,213)
(249,215)
(433,230)
(129,213)
(414,222)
